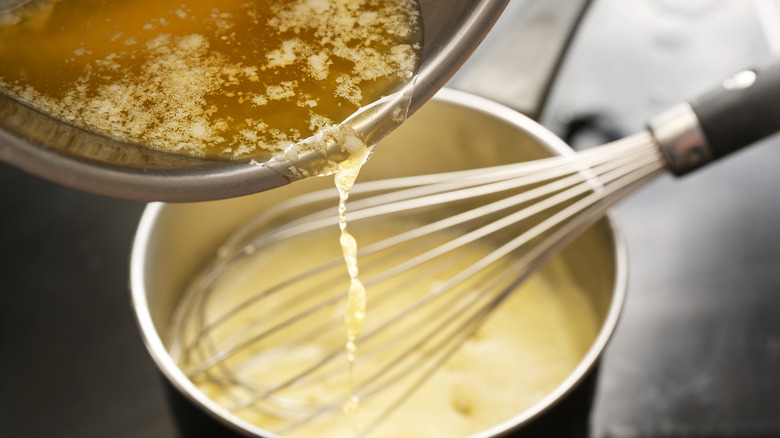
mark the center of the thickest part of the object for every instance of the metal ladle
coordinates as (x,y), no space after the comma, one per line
(65,154)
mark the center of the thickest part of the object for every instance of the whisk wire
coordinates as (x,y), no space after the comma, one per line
(567,194)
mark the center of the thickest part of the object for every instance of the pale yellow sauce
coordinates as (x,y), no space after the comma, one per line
(527,347)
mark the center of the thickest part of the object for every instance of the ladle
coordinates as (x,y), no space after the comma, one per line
(62,153)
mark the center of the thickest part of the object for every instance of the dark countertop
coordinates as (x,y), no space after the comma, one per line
(697,353)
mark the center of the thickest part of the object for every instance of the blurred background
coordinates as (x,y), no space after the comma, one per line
(697,352)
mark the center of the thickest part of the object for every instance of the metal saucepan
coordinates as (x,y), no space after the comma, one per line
(454,131)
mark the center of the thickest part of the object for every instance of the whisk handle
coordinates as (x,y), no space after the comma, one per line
(742,110)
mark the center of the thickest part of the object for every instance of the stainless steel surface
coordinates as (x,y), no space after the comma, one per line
(680,137)
(61,153)
(169,250)
(523,53)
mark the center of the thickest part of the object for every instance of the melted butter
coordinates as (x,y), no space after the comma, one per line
(355,313)
(222,79)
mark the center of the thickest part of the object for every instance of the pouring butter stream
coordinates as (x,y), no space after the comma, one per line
(355,313)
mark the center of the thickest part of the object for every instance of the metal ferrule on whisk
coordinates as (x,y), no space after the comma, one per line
(680,137)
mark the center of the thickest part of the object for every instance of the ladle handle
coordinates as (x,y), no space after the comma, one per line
(742,110)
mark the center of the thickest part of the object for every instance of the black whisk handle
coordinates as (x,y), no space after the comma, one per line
(740,111)
(744,109)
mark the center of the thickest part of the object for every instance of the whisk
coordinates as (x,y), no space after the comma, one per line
(485,231)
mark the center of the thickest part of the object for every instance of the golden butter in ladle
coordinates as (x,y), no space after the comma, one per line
(221,79)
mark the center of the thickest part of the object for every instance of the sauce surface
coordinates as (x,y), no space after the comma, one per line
(222,79)
(527,347)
